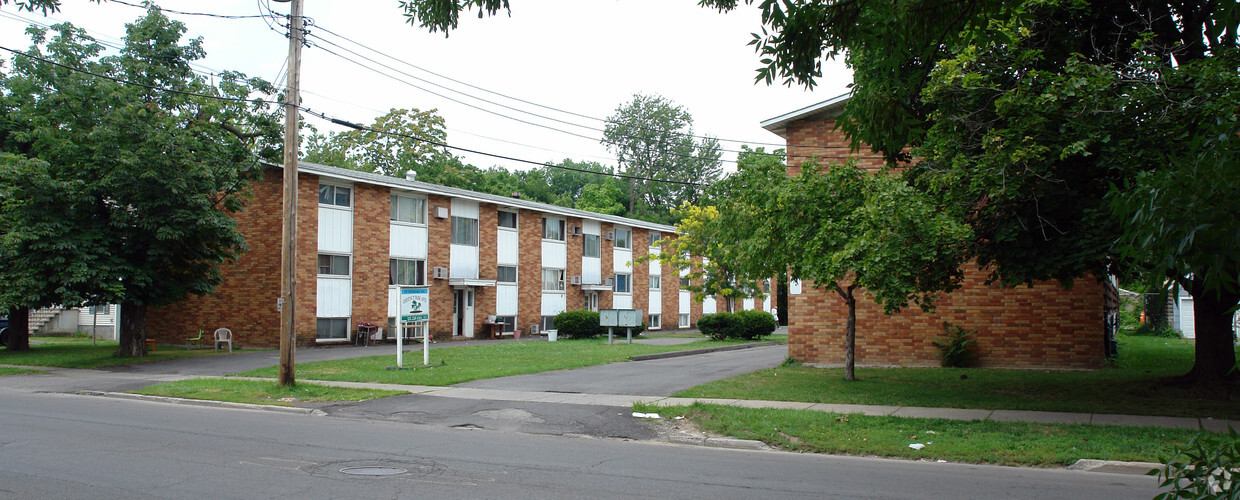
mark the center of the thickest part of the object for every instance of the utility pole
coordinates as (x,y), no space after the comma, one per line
(287,303)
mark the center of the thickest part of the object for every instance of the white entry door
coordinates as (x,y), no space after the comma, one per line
(463,312)
(592,301)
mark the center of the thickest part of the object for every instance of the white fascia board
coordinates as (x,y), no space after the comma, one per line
(832,105)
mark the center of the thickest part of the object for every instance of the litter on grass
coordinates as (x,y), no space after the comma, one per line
(916,446)
(638,414)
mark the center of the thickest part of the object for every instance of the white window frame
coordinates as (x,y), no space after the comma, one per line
(655,321)
(516,219)
(684,320)
(473,225)
(585,245)
(556,283)
(419,270)
(515,275)
(547,323)
(334,187)
(560,223)
(392,216)
(347,321)
(348,263)
(656,282)
(655,236)
(628,280)
(627,240)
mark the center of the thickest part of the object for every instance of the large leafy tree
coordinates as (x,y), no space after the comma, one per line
(397,142)
(652,138)
(858,232)
(149,160)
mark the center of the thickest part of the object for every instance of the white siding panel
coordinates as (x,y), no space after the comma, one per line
(554,255)
(506,300)
(464,208)
(335,230)
(335,298)
(552,304)
(393,301)
(464,262)
(656,267)
(622,261)
(591,227)
(656,301)
(709,306)
(747,304)
(507,246)
(591,270)
(766,304)
(85,318)
(408,241)
(622,301)
(686,300)
(1188,323)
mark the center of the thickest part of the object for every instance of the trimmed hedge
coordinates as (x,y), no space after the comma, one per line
(583,324)
(748,325)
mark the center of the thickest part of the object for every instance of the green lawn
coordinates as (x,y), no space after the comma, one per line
(1130,387)
(259,392)
(17,371)
(77,352)
(985,442)
(462,364)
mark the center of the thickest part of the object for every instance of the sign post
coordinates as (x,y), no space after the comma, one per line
(415,307)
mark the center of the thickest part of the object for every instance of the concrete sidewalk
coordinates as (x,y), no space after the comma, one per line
(625,401)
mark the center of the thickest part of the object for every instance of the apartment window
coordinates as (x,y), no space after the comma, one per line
(510,322)
(654,322)
(336,265)
(464,231)
(506,274)
(623,283)
(591,245)
(407,272)
(412,330)
(548,323)
(408,209)
(508,219)
(624,238)
(684,320)
(553,229)
(656,282)
(334,195)
(684,281)
(332,329)
(553,280)
(98,310)
(766,286)
(655,236)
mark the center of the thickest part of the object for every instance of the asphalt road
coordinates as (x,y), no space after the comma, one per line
(70,446)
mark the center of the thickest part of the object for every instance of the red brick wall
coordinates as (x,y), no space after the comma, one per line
(605,299)
(641,272)
(1040,327)
(439,241)
(484,298)
(307,258)
(246,300)
(529,269)
(574,297)
(670,293)
(371,241)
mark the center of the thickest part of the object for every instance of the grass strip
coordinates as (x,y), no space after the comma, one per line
(1131,386)
(77,352)
(462,364)
(260,392)
(980,442)
(5,370)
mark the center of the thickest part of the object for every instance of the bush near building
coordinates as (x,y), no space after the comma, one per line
(747,325)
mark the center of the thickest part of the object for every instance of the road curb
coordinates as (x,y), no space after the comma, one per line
(1115,467)
(705,350)
(720,442)
(204,402)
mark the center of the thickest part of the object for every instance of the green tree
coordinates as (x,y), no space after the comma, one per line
(397,142)
(149,161)
(604,198)
(652,138)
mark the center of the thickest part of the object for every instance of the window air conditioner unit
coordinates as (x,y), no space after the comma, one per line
(611,235)
(441,273)
(609,281)
(441,212)
(576,280)
(576,230)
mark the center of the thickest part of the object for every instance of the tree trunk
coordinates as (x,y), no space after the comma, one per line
(1215,351)
(850,339)
(17,336)
(132,331)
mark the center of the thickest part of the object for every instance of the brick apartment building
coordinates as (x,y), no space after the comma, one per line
(361,236)
(1043,326)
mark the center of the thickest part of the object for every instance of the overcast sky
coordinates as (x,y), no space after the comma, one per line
(584,57)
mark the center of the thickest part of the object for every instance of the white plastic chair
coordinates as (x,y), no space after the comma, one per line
(223,335)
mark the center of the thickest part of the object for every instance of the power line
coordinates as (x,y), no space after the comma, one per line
(184,13)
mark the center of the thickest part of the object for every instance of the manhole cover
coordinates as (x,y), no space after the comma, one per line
(373,471)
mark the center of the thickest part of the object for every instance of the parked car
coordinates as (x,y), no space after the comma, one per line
(4,330)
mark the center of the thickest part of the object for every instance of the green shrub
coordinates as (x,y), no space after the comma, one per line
(580,324)
(1206,467)
(756,324)
(954,346)
(748,325)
